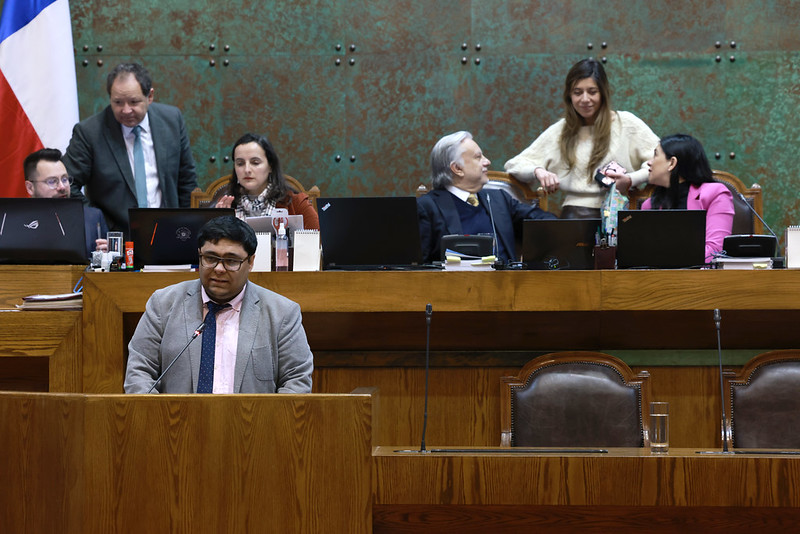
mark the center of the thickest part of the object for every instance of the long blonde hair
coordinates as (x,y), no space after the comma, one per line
(601,139)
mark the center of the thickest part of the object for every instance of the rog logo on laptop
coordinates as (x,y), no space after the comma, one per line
(33,225)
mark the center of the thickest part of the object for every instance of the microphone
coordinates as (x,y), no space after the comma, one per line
(494,229)
(744,199)
(428,313)
(717,319)
(197,332)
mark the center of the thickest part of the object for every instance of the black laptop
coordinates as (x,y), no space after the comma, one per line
(42,230)
(559,244)
(369,233)
(168,236)
(661,239)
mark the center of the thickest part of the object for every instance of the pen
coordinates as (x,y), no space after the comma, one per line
(76,288)
(98,232)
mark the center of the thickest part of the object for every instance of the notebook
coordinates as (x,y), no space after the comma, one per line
(42,230)
(369,233)
(661,239)
(168,236)
(559,244)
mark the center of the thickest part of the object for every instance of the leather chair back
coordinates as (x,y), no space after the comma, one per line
(764,402)
(576,400)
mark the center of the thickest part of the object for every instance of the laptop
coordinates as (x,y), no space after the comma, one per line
(42,230)
(271,224)
(661,239)
(369,233)
(168,236)
(559,244)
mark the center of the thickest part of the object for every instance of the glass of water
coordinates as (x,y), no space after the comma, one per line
(659,427)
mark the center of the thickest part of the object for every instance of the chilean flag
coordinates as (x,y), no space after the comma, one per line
(38,90)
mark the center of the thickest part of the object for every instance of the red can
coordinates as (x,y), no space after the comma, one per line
(129,254)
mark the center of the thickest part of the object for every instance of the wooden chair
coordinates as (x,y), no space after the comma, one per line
(575,399)
(502,180)
(762,402)
(219,187)
(744,222)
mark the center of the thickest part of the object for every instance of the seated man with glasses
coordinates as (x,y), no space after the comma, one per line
(253,339)
(46,177)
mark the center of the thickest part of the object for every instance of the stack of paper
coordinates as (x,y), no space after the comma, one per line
(63,301)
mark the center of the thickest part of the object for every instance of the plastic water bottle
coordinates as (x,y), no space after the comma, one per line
(282,250)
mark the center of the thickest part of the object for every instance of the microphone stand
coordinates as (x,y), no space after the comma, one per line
(428,313)
(717,319)
(196,333)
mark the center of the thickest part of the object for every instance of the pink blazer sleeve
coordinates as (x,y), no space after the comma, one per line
(717,200)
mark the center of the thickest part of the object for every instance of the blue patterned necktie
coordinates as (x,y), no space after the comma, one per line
(139,175)
(205,381)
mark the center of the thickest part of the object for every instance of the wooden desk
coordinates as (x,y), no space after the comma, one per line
(625,490)
(368,329)
(88,464)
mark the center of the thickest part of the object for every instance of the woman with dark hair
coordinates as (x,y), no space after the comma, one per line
(257,185)
(591,137)
(680,171)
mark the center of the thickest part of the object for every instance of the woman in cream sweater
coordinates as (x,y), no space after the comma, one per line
(590,137)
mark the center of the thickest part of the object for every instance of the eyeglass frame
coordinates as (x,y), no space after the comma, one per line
(203,257)
(55,181)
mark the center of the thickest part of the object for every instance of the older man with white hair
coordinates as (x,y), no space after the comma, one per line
(458,203)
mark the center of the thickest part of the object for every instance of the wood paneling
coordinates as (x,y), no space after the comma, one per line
(625,490)
(41,350)
(97,464)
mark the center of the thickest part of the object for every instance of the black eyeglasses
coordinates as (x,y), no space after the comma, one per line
(231,264)
(53,183)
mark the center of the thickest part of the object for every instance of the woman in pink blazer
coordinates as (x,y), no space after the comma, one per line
(680,171)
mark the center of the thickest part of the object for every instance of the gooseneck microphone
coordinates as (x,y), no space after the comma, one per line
(494,228)
(717,319)
(197,332)
(752,209)
(428,313)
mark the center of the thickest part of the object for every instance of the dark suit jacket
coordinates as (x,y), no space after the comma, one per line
(91,218)
(97,158)
(438,217)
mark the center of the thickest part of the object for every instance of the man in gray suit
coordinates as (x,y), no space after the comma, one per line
(260,345)
(133,153)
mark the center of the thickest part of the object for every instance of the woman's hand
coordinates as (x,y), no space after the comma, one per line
(617,172)
(224,201)
(548,180)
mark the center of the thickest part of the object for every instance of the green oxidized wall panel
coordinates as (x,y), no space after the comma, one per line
(354,93)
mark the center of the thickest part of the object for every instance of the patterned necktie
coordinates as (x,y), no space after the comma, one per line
(139,175)
(205,381)
(472,200)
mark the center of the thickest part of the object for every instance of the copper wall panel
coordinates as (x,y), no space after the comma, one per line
(271,66)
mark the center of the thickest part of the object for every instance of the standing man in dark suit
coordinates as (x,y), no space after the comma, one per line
(458,204)
(46,177)
(133,153)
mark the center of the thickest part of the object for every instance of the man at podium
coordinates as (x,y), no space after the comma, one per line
(252,339)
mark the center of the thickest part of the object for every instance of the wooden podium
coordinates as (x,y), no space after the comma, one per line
(75,463)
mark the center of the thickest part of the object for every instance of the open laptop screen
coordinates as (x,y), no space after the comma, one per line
(661,239)
(168,236)
(42,230)
(559,244)
(369,232)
